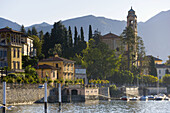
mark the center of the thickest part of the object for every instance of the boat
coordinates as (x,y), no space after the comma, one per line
(124,98)
(166,98)
(160,97)
(143,98)
(151,97)
(133,99)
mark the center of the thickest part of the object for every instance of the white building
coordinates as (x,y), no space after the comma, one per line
(162,70)
(27,46)
(80,73)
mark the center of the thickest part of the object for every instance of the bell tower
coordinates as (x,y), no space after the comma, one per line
(132,22)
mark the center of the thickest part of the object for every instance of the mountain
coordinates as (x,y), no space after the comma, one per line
(5,23)
(155,31)
(156,35)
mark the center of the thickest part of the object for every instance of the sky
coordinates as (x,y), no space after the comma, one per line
(28,12)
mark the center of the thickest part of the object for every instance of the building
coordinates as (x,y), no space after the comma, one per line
(162,69)
(11,49)
(80,73)
(48,71)
(112,40)
(27,46)
(65,67)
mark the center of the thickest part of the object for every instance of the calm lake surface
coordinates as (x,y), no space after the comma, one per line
(99,107)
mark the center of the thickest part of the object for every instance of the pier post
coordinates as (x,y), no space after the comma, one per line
(4,98)
(59,94)
(45,98)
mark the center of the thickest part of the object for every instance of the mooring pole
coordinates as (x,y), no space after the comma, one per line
(59,94)
(4,98)
(45,98)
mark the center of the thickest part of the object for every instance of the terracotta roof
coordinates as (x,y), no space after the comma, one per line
(109,35)
(46,67)
(56,59)
(156,59)
(9,30)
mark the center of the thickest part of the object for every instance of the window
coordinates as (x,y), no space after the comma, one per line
(160,77)
(56,65)
(53,74)
(72,67)
(5,53)
(18,53)
(68,74)
(64,67)
(159,71)
(68,67)
(14,52)
(14,65)
(18,65)
(0,53)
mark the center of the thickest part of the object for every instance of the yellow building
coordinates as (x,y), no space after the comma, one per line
(64,67)
(11,49)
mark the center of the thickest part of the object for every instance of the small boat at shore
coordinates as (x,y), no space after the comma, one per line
(134,99)
(125,98)
(160,97)
(151,97)
(143,98)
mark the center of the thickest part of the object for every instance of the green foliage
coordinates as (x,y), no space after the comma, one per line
(166,79)
(46,45)
(148,79)
(37,44)
(30,70)
(56,50)
(29,33)
(19,80)
(99,60)
(26,61)
(49,81)
(152,67)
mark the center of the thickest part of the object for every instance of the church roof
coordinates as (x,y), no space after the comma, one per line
(9,30)
(52,59)
(110,36)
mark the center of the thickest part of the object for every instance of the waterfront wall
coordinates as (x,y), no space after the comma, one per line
(21,95)
(104,93)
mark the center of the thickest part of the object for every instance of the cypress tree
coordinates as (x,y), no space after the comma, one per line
(29,33)
(41,35)
(46,44)
(34,31)
(82,34)
(23,29)
(90,32)
(75,36)
(70,37)
(152,67)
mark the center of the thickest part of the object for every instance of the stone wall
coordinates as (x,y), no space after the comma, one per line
(104,93)
(24,95)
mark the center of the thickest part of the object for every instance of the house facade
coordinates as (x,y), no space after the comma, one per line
(80,73)
(27,46)
(65,67)
(11,49)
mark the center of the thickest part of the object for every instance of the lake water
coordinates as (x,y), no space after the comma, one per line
(99,107)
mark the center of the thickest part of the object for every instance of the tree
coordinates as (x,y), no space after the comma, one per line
(37,44)
(34,31)
(166,79)
(90,32)
(152,67)
(56,50)
(128,39)
(46,44)
(99,60)
(82,34)
(70,37)
(41,35)
(23,29)
(75,36)
(29,33)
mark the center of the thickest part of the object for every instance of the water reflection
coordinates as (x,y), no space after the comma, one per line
(99,107)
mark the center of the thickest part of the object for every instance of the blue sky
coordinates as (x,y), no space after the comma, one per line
(30,12)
